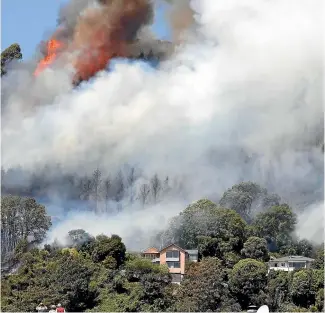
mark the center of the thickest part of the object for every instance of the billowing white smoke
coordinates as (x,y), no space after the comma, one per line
(136,227)
(312,215)
(250,78)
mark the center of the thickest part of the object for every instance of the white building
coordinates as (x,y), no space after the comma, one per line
(290,263)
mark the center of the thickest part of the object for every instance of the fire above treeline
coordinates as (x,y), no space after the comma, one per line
(101,33)
(52,50)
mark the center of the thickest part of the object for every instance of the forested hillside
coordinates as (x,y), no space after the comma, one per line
(98,274)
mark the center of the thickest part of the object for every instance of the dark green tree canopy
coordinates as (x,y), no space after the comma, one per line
(301,247)
(78,237)
(255,248)
(277,289)
(205,289)
(13,52)
(276,225)
(23,221)
(205,218)
(319,258)
(305,285)
(109,249)
(245,196)
(247,280)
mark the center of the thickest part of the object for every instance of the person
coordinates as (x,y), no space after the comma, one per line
(60,308)
(41,308)
(53,309)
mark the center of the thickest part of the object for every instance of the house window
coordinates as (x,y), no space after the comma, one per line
(193,257)
(172,254)
(297,264)
(283,264)
(275,264)
(173,264)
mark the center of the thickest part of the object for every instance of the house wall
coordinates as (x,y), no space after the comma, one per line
(285,266)
(286,269)
(281,266)
(181,259)
(308,264)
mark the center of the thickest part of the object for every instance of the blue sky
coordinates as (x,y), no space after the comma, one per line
(27,22)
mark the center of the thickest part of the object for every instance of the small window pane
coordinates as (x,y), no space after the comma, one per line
(175,254)
(173,264)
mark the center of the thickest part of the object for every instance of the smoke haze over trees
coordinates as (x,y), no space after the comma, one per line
(239,100)
(98,274)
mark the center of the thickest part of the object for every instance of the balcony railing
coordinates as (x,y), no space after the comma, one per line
(172,259)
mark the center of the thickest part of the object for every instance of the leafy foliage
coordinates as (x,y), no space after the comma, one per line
(277,289)
(305,285)
(276,225)
(255,248)
(110,250)
(64,278)
(302,247)
(247,196)
(11,53)
(23,222)
(247,280)
(140,285)
(205,218)
(319,259)
(205,288)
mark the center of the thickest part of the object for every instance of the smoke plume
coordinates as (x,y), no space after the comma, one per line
(101,31)
(312,215)
(241,99)
(181,19)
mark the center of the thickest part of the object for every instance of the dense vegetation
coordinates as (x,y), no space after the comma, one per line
(98,274)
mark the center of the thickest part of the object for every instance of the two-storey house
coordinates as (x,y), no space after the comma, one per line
(174,257)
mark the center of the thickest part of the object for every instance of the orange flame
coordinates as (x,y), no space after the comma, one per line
(52,47)
(99,35)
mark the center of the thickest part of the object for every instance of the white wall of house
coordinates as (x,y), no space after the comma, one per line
(288,265)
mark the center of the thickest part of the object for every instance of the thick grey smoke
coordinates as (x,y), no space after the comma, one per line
(241,100)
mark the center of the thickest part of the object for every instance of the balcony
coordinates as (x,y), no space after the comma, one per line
(150,255)
(172,259)
(156,260)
